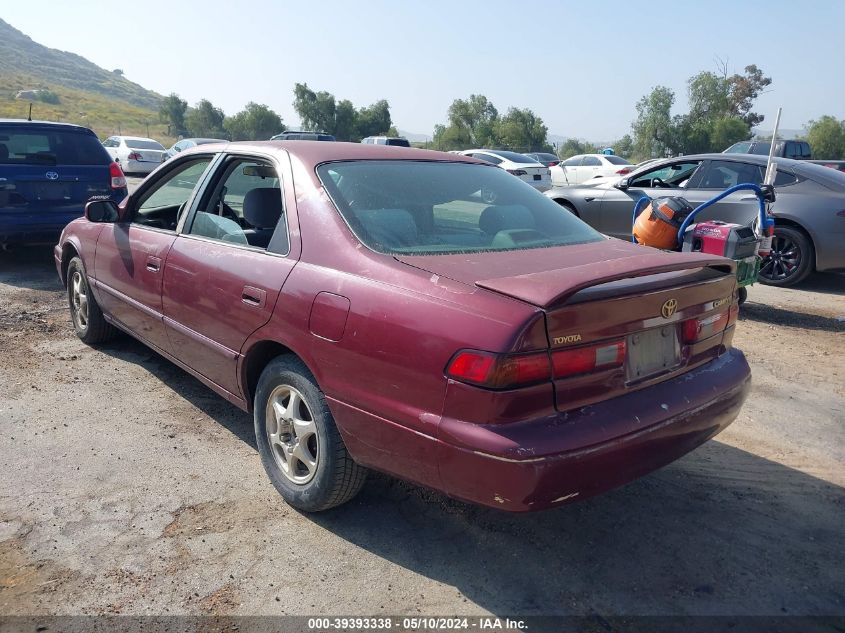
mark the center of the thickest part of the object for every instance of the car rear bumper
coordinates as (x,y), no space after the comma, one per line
(543,463)
(139,166)
(35,227)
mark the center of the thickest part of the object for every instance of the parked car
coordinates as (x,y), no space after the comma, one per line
(795,149)
(135,154)
(809,217)
(583,167)
(188,143)
(371,314)
(293,135)
(386,140)
(47,173)
(524,168)
(549,160)
(833,164)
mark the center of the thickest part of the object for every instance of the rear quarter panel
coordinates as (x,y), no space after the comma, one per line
(816,209)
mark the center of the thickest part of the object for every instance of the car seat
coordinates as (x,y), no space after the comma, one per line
(505,218)
(262,209)
(393,228)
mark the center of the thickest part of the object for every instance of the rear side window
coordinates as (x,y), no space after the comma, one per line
(50,147)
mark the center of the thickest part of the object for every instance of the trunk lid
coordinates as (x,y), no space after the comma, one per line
(51,188)
(610,293)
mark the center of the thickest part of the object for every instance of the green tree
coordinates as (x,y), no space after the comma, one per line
(205,120)
(172,112)
(316,110)
(256,122)
(471,123)
(827,138)
(726,131)
(624,146)
(373,120)
(344,120)
(572,147)
(654,131)
(521,130)
(743,91)
(709,96)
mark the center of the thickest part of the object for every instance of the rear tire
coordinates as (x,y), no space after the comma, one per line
(300,447)
(791,260)
(569,207)
(88,321)
(743,295)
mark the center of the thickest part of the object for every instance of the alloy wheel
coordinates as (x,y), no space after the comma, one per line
(292,434)
(79,300)
(783,261)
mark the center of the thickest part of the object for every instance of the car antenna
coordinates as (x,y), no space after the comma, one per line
(29,117)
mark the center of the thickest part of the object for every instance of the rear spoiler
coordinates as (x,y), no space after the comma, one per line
(550,287)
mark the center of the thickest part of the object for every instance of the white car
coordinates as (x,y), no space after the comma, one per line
(135,154)
(583,167)
(535,174)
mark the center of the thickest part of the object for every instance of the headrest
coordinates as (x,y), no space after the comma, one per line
(393,228)
(505,217)
(263,207)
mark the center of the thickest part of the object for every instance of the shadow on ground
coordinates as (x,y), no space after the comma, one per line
(29,267)
(827,283)
(721,531)
(765,313)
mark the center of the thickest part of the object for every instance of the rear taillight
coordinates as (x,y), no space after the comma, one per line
(499,371)
(623,171)
(134,156)
(118,180)
(508,371)
(586,360)
(695,330)
(517,172)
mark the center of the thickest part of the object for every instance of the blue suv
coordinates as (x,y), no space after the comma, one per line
(48,171)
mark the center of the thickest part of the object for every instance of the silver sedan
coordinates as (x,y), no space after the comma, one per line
(809,211)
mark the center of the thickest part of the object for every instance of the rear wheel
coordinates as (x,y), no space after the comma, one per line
(791,259)
(300,446)
(743,295)
(88,320)
(569,207)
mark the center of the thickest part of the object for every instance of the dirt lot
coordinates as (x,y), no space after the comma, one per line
(130,488)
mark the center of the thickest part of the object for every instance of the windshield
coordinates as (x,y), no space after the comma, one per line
(415,207)
(133,143)
(50,147)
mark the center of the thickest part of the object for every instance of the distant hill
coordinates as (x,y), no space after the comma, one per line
(66,87)
(20,56)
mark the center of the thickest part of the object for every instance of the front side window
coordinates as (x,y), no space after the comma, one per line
(667,176)
(244,206)
(572,162)
(161,206)
(416,207)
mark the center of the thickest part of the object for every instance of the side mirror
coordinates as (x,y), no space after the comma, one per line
(102,211)
(623,184)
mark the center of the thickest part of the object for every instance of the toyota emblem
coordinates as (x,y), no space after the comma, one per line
(51,175)
(669,308)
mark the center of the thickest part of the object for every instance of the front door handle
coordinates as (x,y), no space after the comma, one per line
(252,296)
(153,264)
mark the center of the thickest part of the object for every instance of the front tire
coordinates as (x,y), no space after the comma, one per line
(791,259)
(300,447)
(88,321)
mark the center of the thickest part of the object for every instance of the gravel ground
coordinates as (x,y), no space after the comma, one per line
(129,488)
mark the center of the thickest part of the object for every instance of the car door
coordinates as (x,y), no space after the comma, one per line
(130,255)
(227,266)
(673,178)
(740,207)
(566,172)
(589,168)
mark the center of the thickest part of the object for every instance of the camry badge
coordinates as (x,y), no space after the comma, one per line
(669,308)
(51,175)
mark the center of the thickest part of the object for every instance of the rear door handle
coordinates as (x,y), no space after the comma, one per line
(253,296)
(153,264)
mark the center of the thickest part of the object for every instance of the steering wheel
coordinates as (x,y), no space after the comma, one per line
(658,182)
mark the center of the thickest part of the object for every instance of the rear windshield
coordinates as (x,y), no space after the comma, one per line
(19,146)
(143,144)
(738,148)
(546,157)
(762,149)
(401,142)
(415,207)
(514,157)
(617,160)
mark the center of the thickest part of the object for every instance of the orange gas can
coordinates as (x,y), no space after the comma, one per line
(659,222)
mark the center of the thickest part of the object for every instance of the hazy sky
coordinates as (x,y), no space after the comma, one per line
(581,66)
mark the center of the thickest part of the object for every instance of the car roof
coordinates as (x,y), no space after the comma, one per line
(312,154)
(43,124)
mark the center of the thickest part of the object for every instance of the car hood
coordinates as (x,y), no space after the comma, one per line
(547,276)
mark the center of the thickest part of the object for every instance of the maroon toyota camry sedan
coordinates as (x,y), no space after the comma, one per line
(413,312)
